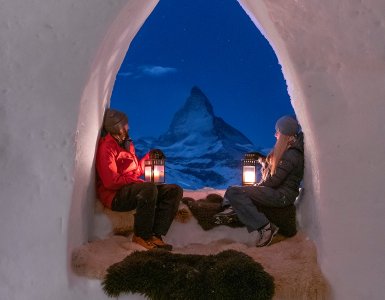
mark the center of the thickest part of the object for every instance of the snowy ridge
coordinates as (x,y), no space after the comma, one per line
(201,149)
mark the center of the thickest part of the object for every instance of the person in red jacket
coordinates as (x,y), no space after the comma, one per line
(120,188)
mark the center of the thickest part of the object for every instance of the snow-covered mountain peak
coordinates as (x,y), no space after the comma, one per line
(201,148)
(196,115)
(199,100)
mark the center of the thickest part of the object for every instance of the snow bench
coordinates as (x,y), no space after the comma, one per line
(122,222)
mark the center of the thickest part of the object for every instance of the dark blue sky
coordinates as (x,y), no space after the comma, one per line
(214,45)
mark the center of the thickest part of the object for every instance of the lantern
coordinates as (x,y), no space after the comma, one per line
(154,167)
(250,168)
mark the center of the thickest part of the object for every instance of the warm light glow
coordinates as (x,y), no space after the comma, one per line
(147,173)
(154,172)
(158,173)
(249,174)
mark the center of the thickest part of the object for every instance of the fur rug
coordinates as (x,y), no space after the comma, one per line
(292,261)
(161,275)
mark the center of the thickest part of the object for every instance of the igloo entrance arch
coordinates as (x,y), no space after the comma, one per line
(332,58)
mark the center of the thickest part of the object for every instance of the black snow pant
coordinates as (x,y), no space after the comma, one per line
(156,206)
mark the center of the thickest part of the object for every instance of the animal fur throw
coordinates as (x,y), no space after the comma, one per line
(205,209)
(161,275)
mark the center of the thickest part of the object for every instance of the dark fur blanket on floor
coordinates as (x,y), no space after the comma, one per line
(205,209)
(162,275)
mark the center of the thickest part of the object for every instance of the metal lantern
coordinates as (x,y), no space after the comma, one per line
(154,168)
(250,168)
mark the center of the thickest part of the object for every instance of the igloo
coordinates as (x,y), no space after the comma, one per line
(59,61)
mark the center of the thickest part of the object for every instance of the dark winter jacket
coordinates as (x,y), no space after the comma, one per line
(115,168)
(289,171)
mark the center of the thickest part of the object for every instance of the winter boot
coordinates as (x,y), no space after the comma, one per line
(158,242)
(148,244)
(266,234)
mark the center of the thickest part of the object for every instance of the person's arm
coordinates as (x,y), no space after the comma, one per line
(108,171)
(284,168)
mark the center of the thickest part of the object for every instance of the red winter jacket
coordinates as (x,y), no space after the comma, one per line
(115,168)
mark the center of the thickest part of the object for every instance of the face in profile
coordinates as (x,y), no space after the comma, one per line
(123,133)
(277,134)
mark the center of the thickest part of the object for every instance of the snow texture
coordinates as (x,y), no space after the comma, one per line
(58,63)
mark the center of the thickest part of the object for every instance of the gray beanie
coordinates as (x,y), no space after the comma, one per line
(114,121)
(287,125)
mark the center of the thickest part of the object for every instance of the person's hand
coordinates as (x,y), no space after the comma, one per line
(261,160)
(146,156)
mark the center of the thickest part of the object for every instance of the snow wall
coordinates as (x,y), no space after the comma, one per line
(58,63)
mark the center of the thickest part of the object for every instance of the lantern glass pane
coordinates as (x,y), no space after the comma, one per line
(249,174)
(147,173)
(159,173)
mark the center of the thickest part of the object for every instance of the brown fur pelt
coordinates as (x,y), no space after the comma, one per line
(183,214)
(122,222)
(162,275)
(204,210)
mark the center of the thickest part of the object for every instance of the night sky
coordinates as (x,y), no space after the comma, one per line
(214,45)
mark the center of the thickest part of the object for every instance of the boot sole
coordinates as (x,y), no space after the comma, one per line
(267,243)
(165,247)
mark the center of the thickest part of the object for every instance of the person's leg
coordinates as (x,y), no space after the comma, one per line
(245,209)
(142,197)
(225,202)
(169,197)
(266,196)
(244,201)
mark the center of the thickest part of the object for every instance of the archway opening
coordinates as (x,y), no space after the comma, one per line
(227,57)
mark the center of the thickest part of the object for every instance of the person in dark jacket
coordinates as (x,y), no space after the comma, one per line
(282,173)
(120,188)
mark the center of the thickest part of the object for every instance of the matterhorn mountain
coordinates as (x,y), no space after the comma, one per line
(202,150)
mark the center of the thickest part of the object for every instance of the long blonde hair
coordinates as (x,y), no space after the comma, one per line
(274,157)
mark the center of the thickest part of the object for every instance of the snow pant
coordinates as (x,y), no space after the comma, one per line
(155,205)
(244,200)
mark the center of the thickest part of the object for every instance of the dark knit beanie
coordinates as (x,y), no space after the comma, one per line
(114,121)
(287,125)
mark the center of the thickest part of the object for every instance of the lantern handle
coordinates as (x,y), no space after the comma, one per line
(255,155)
(157,154)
